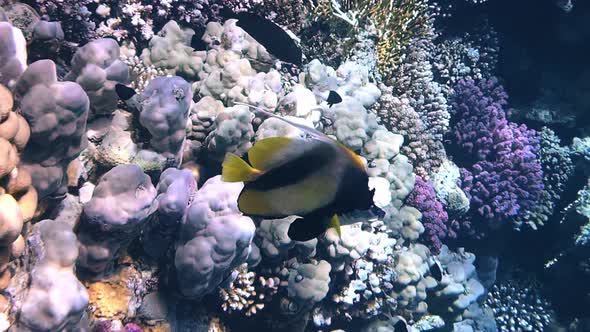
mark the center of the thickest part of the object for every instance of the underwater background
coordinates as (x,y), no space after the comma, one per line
(471,118)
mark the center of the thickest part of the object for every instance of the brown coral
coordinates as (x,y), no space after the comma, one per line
(18,198)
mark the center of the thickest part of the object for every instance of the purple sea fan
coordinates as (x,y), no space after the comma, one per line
(434,217)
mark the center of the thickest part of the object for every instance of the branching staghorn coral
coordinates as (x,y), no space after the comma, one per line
(396,23)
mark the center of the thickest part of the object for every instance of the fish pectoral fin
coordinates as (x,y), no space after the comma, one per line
(263,151)
(307,228)
(334,222)
(236,169)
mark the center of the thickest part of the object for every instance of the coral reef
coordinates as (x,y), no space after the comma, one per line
(114,216)
(420,146)
(558,167)
(518,306)
(396,23)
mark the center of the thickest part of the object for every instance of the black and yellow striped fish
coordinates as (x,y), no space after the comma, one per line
(315,178)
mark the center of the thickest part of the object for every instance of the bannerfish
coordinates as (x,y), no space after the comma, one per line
(333,98)
(276,40)
(314,177)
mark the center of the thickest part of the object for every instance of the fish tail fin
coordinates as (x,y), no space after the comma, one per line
(236,169)
(334,222)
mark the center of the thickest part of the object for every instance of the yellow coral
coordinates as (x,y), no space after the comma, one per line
(397,23)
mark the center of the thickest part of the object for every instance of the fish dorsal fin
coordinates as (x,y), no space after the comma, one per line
(262,153)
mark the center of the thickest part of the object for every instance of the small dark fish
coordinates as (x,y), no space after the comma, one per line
(333,98)
(197,42)
(124,92)
(401,325)
(276,40)
(436,271)
(315,178)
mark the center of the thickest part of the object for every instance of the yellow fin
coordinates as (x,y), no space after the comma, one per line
(334,222)
(261,153)
(236,169)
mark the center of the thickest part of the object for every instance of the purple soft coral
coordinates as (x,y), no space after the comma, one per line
(503,177)
(434,217)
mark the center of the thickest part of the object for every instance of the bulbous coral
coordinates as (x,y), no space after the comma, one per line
(97,68)
(120,205)
(164,113)
(214,238)
(54,250)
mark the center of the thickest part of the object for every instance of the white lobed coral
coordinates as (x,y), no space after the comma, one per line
(275,244)
(309,283)
(228,72)
(170,50)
